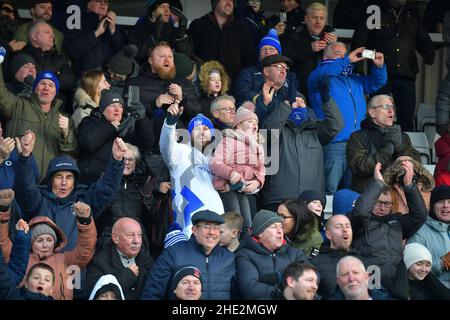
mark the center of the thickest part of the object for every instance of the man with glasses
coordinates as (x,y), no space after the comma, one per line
(348,90)
(274,90)
(202,251)
(223,111)
(378,140)
(378,232)
(251,80)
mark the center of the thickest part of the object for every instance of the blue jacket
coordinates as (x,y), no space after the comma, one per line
(18,259)
(41,201)
(9,290)
(217,270)
(347,91)
(256,267)
(250,81)
(375,294)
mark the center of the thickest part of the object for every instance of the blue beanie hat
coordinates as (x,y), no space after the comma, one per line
(174,234)
(343,201)
(271,39)
(46,75)
(198,120)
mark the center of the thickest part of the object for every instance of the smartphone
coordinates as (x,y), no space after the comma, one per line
(133,95)
(368,54)
(283,17)
(322,37)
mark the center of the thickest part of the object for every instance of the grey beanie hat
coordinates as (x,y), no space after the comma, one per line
(263,219)
(40,229)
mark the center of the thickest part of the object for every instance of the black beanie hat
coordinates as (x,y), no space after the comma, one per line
(19,60)
(214,3)
(107,98)
(153,4)
(438,193)
(183,272)
(123,61)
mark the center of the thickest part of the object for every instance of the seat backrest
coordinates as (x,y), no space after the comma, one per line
(419,140)
(426,113)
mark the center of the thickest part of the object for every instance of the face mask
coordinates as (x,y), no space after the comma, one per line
(298,115)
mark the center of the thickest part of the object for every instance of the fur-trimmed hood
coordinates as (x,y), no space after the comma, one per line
(394,171)
(82,99)
(204,77)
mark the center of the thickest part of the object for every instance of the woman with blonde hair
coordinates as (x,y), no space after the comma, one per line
(214,82)
(87,96)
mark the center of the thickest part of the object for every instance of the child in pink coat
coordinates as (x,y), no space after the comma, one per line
(238,164)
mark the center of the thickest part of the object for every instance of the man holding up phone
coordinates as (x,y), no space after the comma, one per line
(98,39)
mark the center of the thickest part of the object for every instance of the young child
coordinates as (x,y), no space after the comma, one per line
(47,240)
(107,288)
(238,164)
(230,230)
(38,283)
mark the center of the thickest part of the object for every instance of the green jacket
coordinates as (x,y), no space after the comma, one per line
(25,113)
(308,241)
(21,35)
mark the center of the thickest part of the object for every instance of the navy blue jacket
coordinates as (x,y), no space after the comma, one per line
(41,201)
(250,81)
(18,258)
(375,294)
(217,270)
(255,266)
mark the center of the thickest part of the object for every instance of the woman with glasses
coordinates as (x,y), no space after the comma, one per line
(299,226)
(214,82)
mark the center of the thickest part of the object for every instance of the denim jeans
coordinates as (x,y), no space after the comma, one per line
(337,173)
(236,201)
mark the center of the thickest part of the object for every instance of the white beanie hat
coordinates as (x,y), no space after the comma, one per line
(415,252)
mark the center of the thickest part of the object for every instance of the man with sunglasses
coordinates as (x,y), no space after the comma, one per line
(379,140)
(9,21)
(379,232)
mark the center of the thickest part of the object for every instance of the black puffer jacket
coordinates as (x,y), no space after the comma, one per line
(401,34)
(379,239)
(256,268)
(365,148)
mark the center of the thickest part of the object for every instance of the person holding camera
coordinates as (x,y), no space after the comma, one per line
(378,140)
(349,91)
(98,39)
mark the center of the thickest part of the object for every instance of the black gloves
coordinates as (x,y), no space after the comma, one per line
(393,135)
(324,88)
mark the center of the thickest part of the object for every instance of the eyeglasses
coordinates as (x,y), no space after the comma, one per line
(280,67)
(285,217)
(229,110)
(386,204)
(209,227)
(130,160)
(385,106)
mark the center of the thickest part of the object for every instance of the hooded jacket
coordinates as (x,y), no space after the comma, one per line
(83,105)
(40,200)
(441,173)
(365,148)
(59,262)
(301,165)
(422,177)
(217,270)
(106,280)
(26,114)
(255,266)
(435,236)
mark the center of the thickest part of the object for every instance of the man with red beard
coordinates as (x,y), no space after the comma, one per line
(159,88)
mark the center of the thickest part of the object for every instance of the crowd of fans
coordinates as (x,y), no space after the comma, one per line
(175,161)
